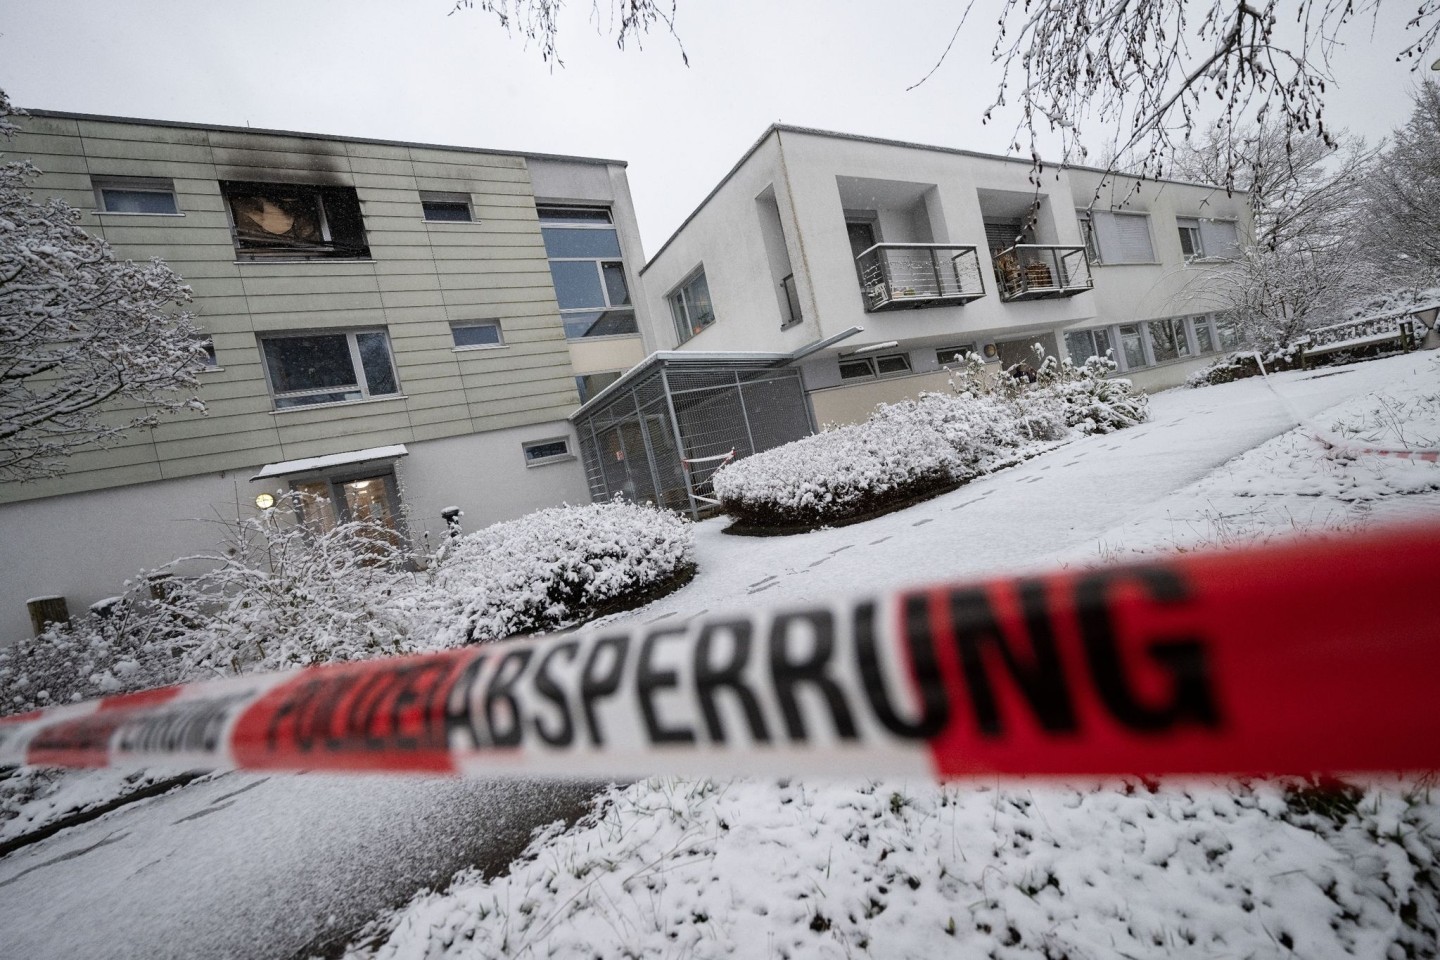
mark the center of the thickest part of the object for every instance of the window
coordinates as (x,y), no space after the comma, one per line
(1191,242)
(310,368)
(792,303)
(1204,338)
(151,195)
(446,207)
(212,362)
(1084,344)
(1167,339)
(1131,348)
(371,499)
(690,306)
(1112,237)
(590,384)
(892,365)
(588,272)
(949,356)
(857,369)
(281,221)
(1087,234)
(479,334)
(540,452)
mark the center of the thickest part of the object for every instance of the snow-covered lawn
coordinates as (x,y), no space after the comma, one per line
(669,867)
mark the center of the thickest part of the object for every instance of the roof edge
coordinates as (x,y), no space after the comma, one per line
(306,135)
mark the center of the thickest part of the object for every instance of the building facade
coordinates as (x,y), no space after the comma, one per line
(934,251)
(395,328)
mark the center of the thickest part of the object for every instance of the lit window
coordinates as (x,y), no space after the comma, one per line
(1191,243)
(892,365)
(541,452)
(150,195)
(446,207)
(690,306)
(280,221)
(588,272)
(311,368)
(477,335)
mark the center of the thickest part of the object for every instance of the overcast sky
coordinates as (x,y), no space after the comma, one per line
(405,70)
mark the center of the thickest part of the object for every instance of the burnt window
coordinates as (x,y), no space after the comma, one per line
(284,221)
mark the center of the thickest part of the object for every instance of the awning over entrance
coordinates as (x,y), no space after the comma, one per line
(308,464)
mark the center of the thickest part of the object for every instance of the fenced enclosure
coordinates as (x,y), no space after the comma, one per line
(655,438)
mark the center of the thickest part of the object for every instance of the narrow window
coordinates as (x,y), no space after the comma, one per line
(540,452)
(1191,243)
(690,306)
(151,195)
(1130,346)
(486,334)
(858,369)
(1087,233)
(446,207)
(950,356)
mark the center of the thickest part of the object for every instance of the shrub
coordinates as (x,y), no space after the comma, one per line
(908,449)
(1241,366)
(555,568)
(838,474)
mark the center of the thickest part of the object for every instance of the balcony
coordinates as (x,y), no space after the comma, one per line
(1036,272)
(897,276)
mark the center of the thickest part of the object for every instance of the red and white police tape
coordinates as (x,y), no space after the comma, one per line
(1294,659)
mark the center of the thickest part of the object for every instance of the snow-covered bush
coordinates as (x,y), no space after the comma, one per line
(129,648)
(554,568)
(1240,366)
(914,447)
(841,473)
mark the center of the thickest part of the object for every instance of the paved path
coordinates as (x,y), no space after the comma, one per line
(245,866)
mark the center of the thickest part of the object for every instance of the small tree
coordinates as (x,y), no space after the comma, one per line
(80,331)
(1402,217)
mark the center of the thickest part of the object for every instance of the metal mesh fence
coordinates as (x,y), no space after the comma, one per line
(637,444)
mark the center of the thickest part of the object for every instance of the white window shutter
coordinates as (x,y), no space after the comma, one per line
(1132,234)
(1220,238)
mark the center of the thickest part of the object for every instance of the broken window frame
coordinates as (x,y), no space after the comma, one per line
(329,205)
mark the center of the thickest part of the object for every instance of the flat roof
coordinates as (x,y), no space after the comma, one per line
(304,135)
(779,128)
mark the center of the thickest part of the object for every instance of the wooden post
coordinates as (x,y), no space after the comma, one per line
(45,611)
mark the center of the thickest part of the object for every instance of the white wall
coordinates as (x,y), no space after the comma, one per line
(85,545)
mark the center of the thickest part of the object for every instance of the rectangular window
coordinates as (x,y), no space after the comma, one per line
(792,302)
(1167,339)
(212,362)
(951,356)
(592,383)
(1132,235)
(311,368)
(1081,345)
(282,221)
(1204,339)
(1191,243)
(859,368)
(152,195)
(1227,334)
(1220,238)
(373,500)
(486,334)
(446,207)
(541,452)
(1087,234)
(588,271)
(1131,348)
(690,306)
(892,365)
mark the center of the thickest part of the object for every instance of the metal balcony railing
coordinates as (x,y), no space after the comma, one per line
(1030,271)
(895,276)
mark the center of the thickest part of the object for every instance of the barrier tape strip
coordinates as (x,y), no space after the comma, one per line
(1340,444)
(1303,658)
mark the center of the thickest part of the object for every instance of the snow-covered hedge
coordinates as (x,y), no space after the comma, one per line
(841,473)
(915,447)
(282,594)
(557,567)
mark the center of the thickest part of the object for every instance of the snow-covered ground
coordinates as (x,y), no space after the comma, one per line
(669,867)
(260,873)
